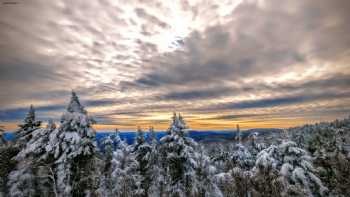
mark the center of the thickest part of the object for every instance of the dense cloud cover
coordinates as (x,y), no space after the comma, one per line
(135,62)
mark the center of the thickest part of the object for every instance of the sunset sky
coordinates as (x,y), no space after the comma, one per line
(259,63)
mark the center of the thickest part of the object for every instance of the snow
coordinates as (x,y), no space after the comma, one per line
(65,159)
(265,158)
(286,169)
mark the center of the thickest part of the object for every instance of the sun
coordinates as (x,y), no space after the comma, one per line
(169,41)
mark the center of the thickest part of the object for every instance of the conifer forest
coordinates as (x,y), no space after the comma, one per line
(64,160)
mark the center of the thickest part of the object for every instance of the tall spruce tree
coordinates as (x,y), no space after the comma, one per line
(125,177)
(286,170)
(152,136)
(255,145)
(7,164)
(156,173)
(36,146)
(142,151)
(30,124)
(73,146)
(118,142)
(178,160)
(106,184)
(298,172)
(31,176)
(22,180)
(2,137)
(205,180)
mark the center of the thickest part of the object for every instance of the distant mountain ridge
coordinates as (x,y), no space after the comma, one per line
(197,135)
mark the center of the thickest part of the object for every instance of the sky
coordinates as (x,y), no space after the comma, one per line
(257,63)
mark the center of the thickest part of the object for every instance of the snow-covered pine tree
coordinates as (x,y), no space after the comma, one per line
(255,145)
(73,146)
(152,136)
(126,180)
(142,151)
(243,161)
(24,134)
(33,161)
(178,160)
(238,134)
(205,171)
(236,175)
(265,181)
(2,137)
(7,164)
(241,156)
(298,172)
(45,160)
(36,146)
(327,143)
(2,145)
(106,184)
(286,170)
(107,145)
(157,174)
(139,139)
(29,178)
(117,141)
(220,156)
(22,181)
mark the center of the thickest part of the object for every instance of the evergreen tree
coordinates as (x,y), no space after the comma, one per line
(139,139)
(286,170)
(265,175)
(21,181)
(106,184)
(243,161)
(74,149)
(125,177)
(178,160)
(255,145)
(117,141)
(36,146)
(2,137)
(205,179)
(221,157)
(152,136)
(33,160)
(238,134)
(142,151)
(239,161)
(24,134)
(241,156)
(328,145)
(107,145)
(25,179)
(299,175)
(156,173)
(7,164)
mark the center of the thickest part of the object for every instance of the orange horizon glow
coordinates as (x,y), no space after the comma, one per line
(198,124)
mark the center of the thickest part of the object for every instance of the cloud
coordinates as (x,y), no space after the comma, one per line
(197,94)
(257,41)
(281,101)
(20,113)
(157,57)
(145,15)
(235,116)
